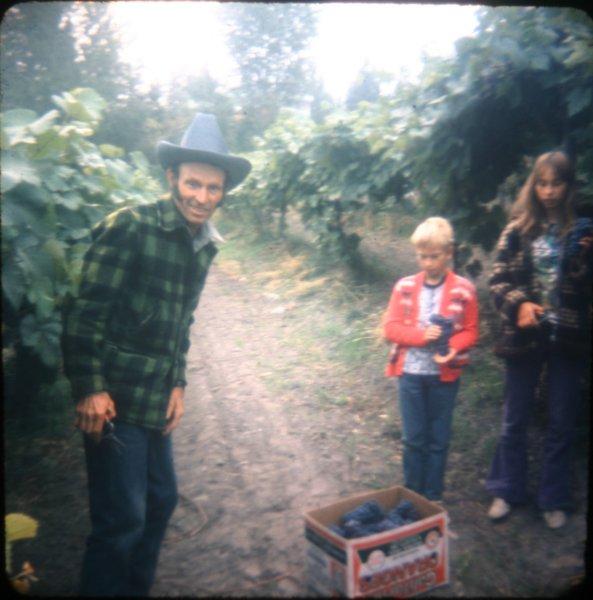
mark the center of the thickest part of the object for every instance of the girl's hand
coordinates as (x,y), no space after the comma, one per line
(441,360)
(528,314)
(432,333)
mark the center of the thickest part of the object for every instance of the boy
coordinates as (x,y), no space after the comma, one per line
(423,311)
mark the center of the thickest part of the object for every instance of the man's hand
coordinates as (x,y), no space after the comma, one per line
(432,333)
(91,413)
(528,314)
(441,360)
(174,409)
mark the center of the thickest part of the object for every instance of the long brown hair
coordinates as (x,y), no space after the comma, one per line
(528,212)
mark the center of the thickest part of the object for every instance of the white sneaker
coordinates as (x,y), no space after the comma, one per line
(555,518)
(498,509)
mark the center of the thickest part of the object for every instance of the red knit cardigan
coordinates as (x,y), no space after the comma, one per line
(458,300)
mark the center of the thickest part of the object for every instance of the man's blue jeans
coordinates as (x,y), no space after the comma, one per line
(426,407)
(132,493)
(508,473)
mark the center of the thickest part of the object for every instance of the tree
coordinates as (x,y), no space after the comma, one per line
(97,42)
(322,104)
(366,87)
(519,87)
(459,143)
(49,47)
(269,43)
(38,55)
(198,93)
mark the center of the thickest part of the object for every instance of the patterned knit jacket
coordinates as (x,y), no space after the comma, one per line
(400,321)
(512,282)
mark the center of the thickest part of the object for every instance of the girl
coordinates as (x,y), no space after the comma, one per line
(541,284)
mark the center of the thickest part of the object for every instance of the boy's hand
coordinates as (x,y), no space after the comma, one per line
(528,314)
(441,360)
(432,333)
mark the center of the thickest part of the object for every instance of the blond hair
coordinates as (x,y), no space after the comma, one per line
(435,231)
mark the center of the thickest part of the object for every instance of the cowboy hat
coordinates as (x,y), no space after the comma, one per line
(203,142)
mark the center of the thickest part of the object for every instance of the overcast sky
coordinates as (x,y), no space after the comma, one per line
(166,39)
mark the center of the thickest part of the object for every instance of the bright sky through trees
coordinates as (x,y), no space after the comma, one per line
(169,39)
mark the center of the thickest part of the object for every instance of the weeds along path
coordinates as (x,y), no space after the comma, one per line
(249,461)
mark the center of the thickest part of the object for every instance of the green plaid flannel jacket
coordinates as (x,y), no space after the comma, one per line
(127,331)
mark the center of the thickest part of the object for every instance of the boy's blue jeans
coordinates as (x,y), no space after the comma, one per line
(508,473)
(426,407)
(132,493)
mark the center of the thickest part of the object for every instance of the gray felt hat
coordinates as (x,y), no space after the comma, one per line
(203,142)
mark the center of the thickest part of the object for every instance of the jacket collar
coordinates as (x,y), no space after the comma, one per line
(448,279)
(169,217)
(448,283)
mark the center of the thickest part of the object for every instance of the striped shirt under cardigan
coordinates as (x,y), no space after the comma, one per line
(127,331)
(513,281)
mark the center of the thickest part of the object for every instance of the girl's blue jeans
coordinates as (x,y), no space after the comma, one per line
(132,493)
(508,473)
(426,407)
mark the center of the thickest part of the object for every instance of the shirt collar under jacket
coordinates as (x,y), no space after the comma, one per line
(207,233)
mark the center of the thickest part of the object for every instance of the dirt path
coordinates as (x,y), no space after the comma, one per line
(251,459)
(265,437)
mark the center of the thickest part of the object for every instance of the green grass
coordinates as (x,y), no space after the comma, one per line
(349,343)
(242,250)
(328,399)
(337,326)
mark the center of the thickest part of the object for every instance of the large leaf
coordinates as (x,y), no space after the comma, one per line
(16,170)
(44,123)
(578,99)
(139,160)
(35,196)
(13,283)
(57,179)
(82,104)
(43,334)
(43,298)
(70,200)
(56,249)
(50,144)
(110,151)
(23,214)
(18,117)
(15,127)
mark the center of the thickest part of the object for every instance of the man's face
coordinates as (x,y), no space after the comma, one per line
(197,191)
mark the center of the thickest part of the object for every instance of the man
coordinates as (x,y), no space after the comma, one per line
(125,340)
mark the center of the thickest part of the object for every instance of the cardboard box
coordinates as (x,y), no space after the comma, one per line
(402,562)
